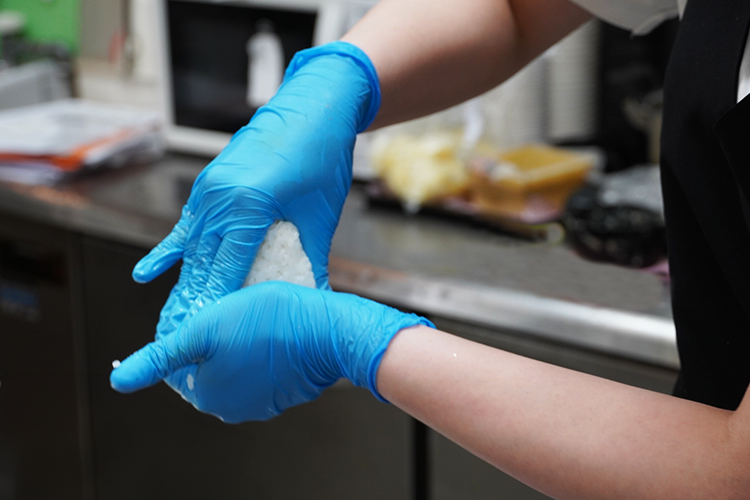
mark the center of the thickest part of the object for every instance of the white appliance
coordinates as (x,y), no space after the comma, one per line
(220,59)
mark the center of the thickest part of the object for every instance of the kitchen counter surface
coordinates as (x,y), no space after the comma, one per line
(422,262)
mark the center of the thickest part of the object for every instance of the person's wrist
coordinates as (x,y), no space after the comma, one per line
(344,76)
(405,322)
(362,330)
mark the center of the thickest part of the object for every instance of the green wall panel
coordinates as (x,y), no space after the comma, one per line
(50,20)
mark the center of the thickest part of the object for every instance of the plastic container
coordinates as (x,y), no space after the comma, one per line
(530,183)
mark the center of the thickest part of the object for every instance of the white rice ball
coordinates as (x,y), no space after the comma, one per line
(281,258)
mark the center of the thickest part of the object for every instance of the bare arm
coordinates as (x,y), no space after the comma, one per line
(432,54)
(567,434)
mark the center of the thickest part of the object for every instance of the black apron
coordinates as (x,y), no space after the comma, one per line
(706,183)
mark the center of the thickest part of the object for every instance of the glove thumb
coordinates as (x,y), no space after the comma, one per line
(160,359)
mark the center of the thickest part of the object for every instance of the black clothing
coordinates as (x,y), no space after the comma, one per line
(706,183)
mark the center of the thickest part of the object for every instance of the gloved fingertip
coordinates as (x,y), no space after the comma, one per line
(143,272)
(133,374)
(159,259)
(141,278)
(121,383)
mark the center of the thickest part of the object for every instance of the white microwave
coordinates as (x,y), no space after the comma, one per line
(221,59)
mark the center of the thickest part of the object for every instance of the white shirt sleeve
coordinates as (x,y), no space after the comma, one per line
(638,16)
(642,16)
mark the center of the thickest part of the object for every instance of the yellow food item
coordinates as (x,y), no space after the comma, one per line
(532,178)
(421,169)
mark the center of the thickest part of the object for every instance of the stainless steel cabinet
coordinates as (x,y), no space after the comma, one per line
(41,452)
(153,445)
(68,307)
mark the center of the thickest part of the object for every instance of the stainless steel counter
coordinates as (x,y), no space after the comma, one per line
(434,266)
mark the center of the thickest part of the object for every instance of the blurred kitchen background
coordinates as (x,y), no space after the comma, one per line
(528,219)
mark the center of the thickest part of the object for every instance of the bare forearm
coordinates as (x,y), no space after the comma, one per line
(433,54)
(570,435)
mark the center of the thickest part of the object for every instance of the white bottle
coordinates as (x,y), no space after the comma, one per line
(265,68)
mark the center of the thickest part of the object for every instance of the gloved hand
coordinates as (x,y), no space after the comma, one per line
(268,347)
(292,162)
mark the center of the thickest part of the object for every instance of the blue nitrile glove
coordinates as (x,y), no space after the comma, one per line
(265,348)
(293,162)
